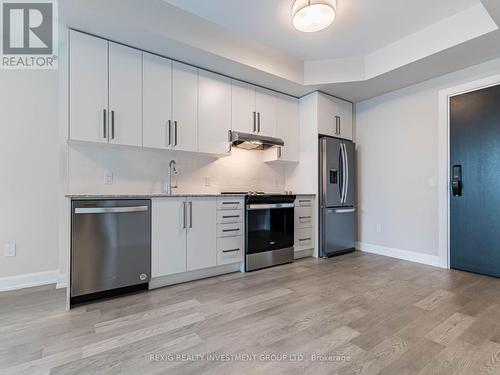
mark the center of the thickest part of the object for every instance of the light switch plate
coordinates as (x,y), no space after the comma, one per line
(9,249)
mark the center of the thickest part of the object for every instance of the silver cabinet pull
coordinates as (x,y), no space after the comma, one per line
(279,152)
(230,202)
(169,133)
(230,251)
(304,217)
(184,221)
(190,214)
(339,125)
(104,131)
(305,239)
(258,122)
(112,124)
(230,216)
(254,121)
(175,133)
(231,230)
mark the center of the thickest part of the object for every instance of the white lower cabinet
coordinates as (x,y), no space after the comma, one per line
(304,225)
(201,233)
(185,235)
(168,237)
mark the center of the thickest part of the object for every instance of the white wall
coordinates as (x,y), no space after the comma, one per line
(29,170)
(396,136)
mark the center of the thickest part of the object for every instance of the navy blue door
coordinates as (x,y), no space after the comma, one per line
(475,181)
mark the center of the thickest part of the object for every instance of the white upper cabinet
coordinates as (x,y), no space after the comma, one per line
(156,101)
(244,115)
(88,88)
(214,113)
(125,95)
(184,107)
(334,117)
(288,127)
(168,237)
(202,233)
(265,105)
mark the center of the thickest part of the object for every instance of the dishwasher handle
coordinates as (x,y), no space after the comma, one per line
(109,210)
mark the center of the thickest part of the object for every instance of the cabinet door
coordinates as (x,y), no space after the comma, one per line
(266,111)
(184,107)
(88,88)
(156,101)
(327,112)
(202,233)
(214,113)
(125,95)
(344,109)
(287,127)
(168,240)
(243,117)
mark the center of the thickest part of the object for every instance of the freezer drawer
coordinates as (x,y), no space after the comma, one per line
(338,230)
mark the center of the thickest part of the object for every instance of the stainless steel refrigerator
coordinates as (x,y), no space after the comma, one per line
(337,190)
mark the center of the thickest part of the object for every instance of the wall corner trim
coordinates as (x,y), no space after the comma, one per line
(29,280)
(431,260)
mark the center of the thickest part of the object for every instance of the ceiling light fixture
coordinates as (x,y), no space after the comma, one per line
(313,15)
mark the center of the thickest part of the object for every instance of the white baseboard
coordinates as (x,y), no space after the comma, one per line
(431,260)
(62,281)
(29,280)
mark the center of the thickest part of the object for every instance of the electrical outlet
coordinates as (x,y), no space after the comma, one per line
(108,178)
(379,228)
(9,249)
(208,181)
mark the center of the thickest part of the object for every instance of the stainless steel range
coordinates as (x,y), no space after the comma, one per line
(269,229)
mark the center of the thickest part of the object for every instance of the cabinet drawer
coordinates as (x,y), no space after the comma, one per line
(230,230)
(229,204)
(304,239)
(303,217)
(304,202)
(229,216)
(229,250)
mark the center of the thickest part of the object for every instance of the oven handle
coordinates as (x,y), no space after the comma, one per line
(264,206)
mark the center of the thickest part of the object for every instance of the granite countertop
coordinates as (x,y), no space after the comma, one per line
(147,195)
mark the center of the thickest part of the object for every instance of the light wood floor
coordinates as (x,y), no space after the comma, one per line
(367,314)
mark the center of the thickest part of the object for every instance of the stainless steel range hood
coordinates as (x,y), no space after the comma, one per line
(250,141)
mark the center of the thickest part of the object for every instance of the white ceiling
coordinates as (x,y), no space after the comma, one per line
(374,56)
(361,26)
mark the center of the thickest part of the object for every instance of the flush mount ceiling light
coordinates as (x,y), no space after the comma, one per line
(313,15)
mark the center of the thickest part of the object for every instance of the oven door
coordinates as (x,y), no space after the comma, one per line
(269,227)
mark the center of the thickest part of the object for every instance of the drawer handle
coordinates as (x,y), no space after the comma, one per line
(304,217)
(230,251)
(305,239)
(231,230)
(230,216)
(230,202)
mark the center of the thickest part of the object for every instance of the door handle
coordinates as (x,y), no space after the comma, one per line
(254,121)
(169,133)
(258,122)
(104,132)
(456,180)
(112,124)
(184,221)
(190,214)
(175,133)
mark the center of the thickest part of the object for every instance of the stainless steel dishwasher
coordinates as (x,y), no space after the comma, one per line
(110,247)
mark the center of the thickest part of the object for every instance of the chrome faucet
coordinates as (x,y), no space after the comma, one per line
(172,170)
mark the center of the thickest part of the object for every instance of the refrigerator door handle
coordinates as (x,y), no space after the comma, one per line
(346,180)
(345,210)
(341,172)
(325,168)
(342,157)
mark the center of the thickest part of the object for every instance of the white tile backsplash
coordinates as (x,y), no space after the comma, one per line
(141,171)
